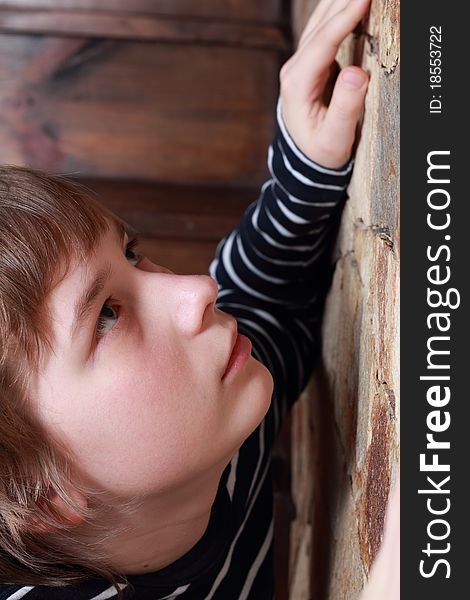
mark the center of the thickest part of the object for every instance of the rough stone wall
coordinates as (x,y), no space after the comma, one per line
(345,429)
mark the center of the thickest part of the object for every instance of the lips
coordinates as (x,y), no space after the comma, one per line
(241,350)
(232,347)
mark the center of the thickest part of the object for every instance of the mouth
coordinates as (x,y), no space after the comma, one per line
(240,352)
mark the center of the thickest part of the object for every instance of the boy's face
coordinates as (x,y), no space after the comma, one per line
(144,407)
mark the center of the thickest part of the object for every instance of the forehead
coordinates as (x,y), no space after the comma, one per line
(80,256)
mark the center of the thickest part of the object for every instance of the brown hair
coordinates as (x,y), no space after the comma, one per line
(45,222)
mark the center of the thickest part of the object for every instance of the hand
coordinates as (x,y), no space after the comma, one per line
(384,578)
(324,133)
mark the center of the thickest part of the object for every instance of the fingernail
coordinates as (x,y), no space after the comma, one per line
(353,77)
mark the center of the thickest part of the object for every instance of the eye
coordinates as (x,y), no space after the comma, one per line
(109,314)
(107,319)
(132,256)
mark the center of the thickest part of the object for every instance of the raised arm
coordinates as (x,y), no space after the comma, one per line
(273,271)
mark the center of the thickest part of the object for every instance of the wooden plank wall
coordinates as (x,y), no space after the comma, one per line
(263,11)
(173,100)
(137,109)
(345,431)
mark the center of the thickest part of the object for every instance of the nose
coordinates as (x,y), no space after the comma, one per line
(195,297)
(186,300)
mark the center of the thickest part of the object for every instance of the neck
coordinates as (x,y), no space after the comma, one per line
(164,527)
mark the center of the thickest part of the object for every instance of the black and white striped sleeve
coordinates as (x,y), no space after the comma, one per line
(274,269)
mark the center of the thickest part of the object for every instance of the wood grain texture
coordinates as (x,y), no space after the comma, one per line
(265,11)
(352,405)
(141,27)
(179,212)
(119,109)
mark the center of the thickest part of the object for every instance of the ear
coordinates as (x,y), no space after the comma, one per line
(67,516)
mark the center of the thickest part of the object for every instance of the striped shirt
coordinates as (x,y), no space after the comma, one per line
(273,272)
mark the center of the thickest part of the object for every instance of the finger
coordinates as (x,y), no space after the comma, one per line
(345,108)
(310,63)
(330,8)
(315,18)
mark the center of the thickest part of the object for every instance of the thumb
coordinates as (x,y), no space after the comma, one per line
(345,108)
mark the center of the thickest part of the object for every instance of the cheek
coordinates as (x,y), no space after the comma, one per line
(141,394)
(141,419)
(141,424)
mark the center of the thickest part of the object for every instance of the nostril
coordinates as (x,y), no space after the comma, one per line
(206,315)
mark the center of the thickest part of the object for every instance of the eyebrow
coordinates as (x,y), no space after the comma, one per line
(86,301)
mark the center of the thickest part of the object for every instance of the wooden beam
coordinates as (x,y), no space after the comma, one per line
(141,27)
(261,11)
(174,212)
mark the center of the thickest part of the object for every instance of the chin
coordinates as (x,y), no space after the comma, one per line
(260,390)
